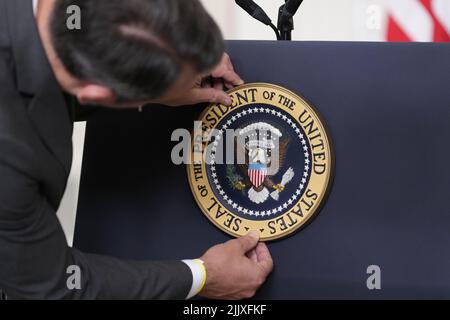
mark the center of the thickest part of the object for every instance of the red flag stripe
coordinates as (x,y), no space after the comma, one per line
(395,33)
(400,28)
(440,35)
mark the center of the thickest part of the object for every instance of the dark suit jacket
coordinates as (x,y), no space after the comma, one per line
(35,159)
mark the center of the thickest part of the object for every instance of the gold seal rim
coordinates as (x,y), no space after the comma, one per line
(329,176)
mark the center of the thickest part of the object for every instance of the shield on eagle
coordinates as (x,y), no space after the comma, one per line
(257,173)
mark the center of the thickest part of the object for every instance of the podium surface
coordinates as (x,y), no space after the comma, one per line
(387,109)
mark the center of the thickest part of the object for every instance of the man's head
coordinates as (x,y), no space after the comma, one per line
(135,50)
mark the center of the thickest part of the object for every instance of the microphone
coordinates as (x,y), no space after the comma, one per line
(292,6)
(258,13)
(254,10)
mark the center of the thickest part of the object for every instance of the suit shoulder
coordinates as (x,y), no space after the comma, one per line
(14,122)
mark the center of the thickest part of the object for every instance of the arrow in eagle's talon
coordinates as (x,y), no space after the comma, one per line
(287,177)
(279,187)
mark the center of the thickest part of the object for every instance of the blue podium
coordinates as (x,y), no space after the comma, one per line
(387,108)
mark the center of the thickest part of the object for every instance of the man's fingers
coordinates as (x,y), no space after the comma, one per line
(228,76)
(264,258)
(248,242)
(206,82)
(218,84)
(225,71)
(227,61)
(253,256)
(228,85)
(210,95)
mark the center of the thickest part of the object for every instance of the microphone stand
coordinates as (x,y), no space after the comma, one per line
(285,23)
(286,18)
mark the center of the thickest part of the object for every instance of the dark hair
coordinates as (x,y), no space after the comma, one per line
(137,48)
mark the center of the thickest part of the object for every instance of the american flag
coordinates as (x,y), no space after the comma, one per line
(418,20)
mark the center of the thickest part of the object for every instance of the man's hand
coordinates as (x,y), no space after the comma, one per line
(236,269)
(210,89)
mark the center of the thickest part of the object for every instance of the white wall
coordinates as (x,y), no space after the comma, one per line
(69,204)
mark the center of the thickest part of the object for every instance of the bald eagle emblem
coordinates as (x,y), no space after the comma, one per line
(263,163)
(263,148)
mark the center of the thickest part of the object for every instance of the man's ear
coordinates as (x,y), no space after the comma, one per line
(95,94)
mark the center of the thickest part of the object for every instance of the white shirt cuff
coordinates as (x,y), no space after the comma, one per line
(198,276)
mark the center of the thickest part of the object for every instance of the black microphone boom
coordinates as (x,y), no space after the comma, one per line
(254,10)
(258,13)
(292,6)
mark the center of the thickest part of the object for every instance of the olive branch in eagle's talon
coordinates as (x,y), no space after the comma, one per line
(234,179)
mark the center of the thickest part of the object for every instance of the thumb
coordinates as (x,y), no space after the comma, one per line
(248,242)
(210,95)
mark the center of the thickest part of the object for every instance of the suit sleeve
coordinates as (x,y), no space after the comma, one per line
(35,258)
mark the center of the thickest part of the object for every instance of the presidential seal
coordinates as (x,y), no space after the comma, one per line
(262,164)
